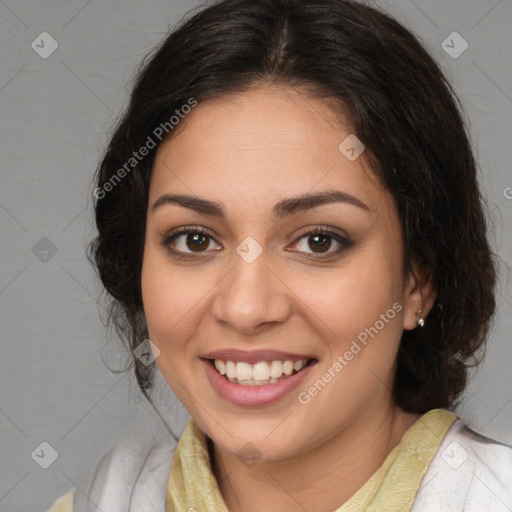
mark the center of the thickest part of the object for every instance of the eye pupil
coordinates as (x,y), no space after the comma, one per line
(320,242)
(197,241)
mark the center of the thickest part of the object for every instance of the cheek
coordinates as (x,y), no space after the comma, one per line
(164,295)
(357,313)
(351,297)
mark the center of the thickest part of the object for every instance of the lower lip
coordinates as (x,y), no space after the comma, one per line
(253,395)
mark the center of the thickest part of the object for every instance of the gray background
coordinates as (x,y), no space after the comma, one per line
(55,115)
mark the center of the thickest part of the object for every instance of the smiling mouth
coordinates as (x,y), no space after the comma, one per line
(261,373)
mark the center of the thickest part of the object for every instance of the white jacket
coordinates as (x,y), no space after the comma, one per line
(469,473)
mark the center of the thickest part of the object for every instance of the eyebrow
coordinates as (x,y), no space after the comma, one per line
(281,209)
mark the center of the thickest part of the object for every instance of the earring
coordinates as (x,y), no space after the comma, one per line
(421,322)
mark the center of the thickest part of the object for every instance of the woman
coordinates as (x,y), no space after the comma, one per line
(289,211)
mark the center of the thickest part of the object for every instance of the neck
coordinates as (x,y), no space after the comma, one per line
(335,470)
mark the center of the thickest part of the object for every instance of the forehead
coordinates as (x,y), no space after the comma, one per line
(261,145)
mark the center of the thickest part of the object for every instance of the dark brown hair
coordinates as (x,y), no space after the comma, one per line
(400,106)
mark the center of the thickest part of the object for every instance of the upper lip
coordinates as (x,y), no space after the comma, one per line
(255,356)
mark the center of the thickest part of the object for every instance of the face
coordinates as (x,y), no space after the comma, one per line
(239,267)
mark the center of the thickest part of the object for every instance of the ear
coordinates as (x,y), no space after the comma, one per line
(419,296)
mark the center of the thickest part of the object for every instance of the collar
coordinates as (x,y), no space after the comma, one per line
(192,484)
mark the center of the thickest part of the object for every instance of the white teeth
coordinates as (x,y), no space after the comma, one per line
(258,374)
(221,366)
(261,371)
(230,369)
(243,371)
(288,367)
(298,365)
(276,369)
(249,382)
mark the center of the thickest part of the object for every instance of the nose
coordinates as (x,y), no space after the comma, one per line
(251,297)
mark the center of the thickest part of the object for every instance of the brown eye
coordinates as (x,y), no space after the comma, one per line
(197,242)
(319,243)
(188,241)
(322,242)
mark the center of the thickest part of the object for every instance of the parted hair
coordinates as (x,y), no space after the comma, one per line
(399,104)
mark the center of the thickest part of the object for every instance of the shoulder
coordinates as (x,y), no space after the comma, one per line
(133,475)
(469,472)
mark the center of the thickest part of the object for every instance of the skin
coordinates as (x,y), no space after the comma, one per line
(248,151)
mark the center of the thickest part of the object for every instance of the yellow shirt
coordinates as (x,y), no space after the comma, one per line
(392,487)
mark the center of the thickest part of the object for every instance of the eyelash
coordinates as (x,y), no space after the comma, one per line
(169,238)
